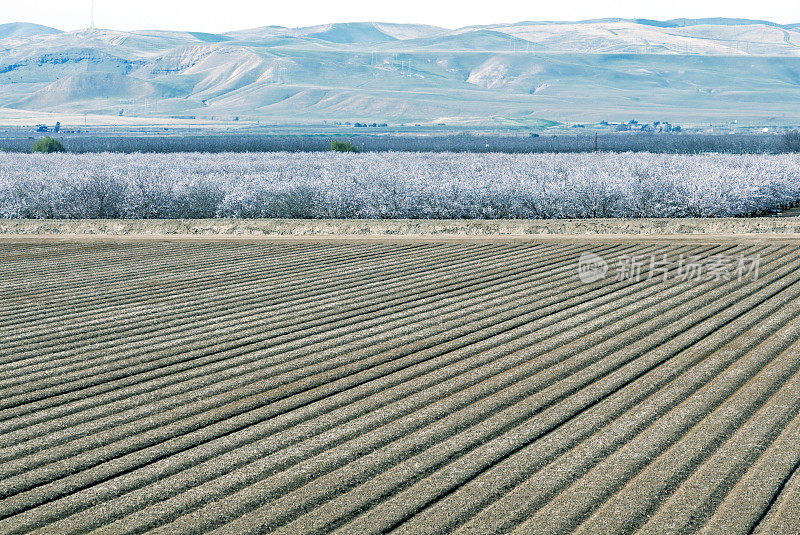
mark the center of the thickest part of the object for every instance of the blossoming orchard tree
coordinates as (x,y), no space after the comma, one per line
(395,185)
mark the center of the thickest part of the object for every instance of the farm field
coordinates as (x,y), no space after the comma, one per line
(399,386)
(431,139)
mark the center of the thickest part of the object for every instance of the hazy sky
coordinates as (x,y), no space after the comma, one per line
(224,15)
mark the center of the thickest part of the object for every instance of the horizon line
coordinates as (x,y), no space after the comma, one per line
(641,21)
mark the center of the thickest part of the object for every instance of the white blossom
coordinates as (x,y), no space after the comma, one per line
(395,185)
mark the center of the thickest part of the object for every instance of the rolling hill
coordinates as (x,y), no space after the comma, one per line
(683,71)
(25,29)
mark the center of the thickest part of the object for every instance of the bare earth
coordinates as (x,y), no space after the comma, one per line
(695,230)
(303,383)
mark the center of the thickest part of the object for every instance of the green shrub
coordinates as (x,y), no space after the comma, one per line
(343,146)
(48,145)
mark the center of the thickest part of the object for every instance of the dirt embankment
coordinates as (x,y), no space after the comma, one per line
(768,229)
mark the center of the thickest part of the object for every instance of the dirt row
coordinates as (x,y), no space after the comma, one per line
(193,387)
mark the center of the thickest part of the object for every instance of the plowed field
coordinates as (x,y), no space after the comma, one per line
(387,387)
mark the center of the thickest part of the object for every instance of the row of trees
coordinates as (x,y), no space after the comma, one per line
(523,144)
(395,185)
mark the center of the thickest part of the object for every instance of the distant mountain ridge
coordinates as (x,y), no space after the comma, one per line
(526,73)
(25,29)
